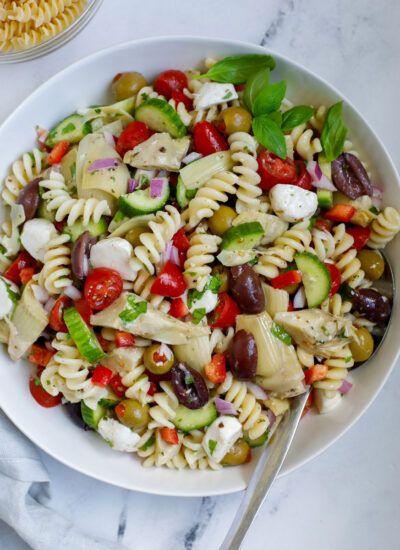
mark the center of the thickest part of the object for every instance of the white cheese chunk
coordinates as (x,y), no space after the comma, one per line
(292,203)
(35,237)
(115,253)
(324,402)
(208,301)
(119,437)
(6,302)
(220,436)
(213,93)
(160,151)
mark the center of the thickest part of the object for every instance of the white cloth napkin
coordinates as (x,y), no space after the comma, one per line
(24,492)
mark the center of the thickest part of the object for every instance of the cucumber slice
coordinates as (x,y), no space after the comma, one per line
(316,278)
(244,236)
(183,195)
(325,198)
(71,129)
(259,442)
(95,229)
(325,165)
(195,174)
(140,202)
(92,417)
(188,419)
(158,115)
(42,211)
(108,403)
(84,338)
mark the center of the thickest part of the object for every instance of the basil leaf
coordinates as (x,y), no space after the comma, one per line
(236,70)
(255,84)
(269,99)
(276,117)
(334,132)
(296,116)
(270,135)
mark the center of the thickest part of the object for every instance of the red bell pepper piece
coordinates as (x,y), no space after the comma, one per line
(180,241)
(170,435)
(23,261)
(105,344)
(152,389)
(26,274)
(57,153)
(224,315)
(178,308)
(309,403)
(170,282)
(336,278)
(290,306)
(360,235)
(316,372)
(40,355)
(101,376)
(117,385)
(340,213)
(216,369)
(124,339)
(323,225)
(286,279)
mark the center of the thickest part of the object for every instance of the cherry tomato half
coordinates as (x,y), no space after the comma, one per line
(207,139)
(304,179)
(134,134)
(41,396)
(360,235)
(84,310)
(102,287)
(169,82)
(56,320)
(180,97)
(335,278)
(274,170)
(170,282)
(224,315)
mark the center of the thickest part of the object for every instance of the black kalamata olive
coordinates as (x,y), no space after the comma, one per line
(189,386)
(350,176)
(29,197)
(242,355)
(74,412)
(80,256)
(246,289)
(371,304)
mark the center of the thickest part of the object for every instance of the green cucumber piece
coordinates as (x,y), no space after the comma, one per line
(42,211)
(259,442)
(108,403)
(183,195)
(325,198)
(244,236)
(84,338)
(195,174)
(95,229)
(92,417)
(316,278)
(139,202)
(325,165)
(189,419)
(159,116)
(71,129)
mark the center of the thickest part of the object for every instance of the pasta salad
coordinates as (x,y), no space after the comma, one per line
(181,263)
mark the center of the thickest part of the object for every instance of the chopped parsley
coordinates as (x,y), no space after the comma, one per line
(38,382)
(341,334)
(253,261)
(41,191)
(14,297)
(133,311)
(32,159)
(325,331)
(374,210)
(215,318)
(211,445)
(148,444)
(198,315)
(214,284)
(228,95)
(72,170)
(348,359)
(281,333)
(189,379)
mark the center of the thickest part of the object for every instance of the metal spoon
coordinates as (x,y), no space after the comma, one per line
(270,462)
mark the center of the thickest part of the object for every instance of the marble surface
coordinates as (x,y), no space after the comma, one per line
(348,497)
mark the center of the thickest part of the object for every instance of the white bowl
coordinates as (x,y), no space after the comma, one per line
(86,83)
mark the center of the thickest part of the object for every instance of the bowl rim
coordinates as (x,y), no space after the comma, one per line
(231,43)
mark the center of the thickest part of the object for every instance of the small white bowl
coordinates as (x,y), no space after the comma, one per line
(86,83)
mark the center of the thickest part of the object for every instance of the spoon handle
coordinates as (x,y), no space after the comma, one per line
(264,475)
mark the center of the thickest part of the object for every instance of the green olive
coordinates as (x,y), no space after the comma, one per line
(132,414)
(291,289)
(222,220)
(158,358)
(133,236)
(372,263)
(223,273)
(234,119)
(362,349)
(127,85)
(237,454)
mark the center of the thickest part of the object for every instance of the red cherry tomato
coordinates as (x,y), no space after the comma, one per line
(180,97)
(170,282)
(134,134)
(23,261)
(56,320)
(84,310)
(224,315)
(274,170)
(335,278)
(178,308)
(40,355)
(117,385)
(180,241)
(124,339)
(322,224)
(216,369)
(101,376)
(289,278)
(360,235)
(102,287)
(169,82)
(26,274)
(152,389)
(41,396)
(207,139)
(304,179)
(57,153)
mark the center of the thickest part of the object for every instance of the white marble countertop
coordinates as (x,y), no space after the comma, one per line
(346,498)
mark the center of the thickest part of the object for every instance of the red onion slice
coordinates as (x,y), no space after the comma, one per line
(157,187)
(345,387)
(271,418)
(319,179)
(257,391)
(40,293)
(132,185)
(72,292)
(171,253)
(191,157)
(377,196)
(103,164)
(42,134)
(299,300)
(320,233)
(224,407)
(109,138)
(48,306)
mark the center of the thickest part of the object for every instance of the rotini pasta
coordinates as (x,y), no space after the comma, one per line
(384,228)
(24,170)
(203,246)
(302,141)
(56,272)
(243,149)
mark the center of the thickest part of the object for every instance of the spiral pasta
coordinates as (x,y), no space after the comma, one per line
(163,228)
(208,197)
(336,305)
(338,366)
(219,341)
(142,285)
(23,170)
(39,12)
(346,257)
(302,141)
(324,244)
(164,410)
(194,454)
(384,228)
(203,246)
(56,272)
(243,149)
(318,118)
(134,378)
(67,207)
